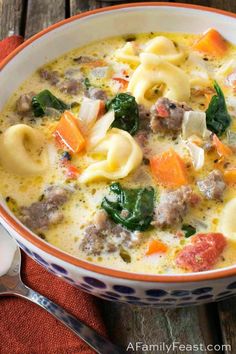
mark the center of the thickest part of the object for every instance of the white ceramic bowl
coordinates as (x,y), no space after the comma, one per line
(158,290)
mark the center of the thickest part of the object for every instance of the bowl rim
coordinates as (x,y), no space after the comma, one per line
(55,252)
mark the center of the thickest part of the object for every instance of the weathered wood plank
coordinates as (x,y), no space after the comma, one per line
(78,6)
(11,16)
(229,5)
(43,13)
(133,324)
(227,314)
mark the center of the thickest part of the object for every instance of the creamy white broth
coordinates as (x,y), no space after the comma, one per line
(84,200)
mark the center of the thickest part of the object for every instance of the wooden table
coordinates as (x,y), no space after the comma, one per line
(210,324)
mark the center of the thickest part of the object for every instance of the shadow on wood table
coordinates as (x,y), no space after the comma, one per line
(208,324)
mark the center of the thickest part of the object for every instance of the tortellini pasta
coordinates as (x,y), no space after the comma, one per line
(128,54)
(22,150)
(153,72)
(160,45)
(227,223)
(165,49)
(121,156)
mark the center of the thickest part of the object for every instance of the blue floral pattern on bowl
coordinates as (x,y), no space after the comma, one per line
(154,295)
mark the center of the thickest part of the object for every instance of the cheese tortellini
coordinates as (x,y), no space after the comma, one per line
(165,49)
(128,54)
(121,156)
(227,223)
(154,72)
(22,150)
(160,45)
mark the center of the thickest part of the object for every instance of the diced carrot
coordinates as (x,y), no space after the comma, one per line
(68,132)
(169,169)
(102,108)
(72,171)
(208,97)
(156,246)
(123,83)
(230,176)
(222,149)
(212,43)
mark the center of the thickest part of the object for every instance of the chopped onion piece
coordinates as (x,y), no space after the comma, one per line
(231,138)
(226,69)
(194,123)
(88,113)
(100,129)
(197,155)
(195,61)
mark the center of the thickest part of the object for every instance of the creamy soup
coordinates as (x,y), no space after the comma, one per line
(122,152)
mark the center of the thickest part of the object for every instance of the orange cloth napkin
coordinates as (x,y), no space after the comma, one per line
(25,328)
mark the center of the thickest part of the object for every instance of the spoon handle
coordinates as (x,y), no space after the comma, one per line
(92,338)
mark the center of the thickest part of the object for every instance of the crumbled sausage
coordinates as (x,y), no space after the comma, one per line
(70,86)
(167,115)
(142,138)
(40,215)
(93,241)
(105,236)
(213,186)
(173,206)
(52,76)
(23,104)
(144,114)
(96,94)
(84,59)
(144,128)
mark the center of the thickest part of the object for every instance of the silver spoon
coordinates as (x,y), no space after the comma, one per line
(11,284)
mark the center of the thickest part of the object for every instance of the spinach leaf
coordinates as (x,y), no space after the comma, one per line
(133,208)
(217,116)
(126,112)
(45,99)
(189,230)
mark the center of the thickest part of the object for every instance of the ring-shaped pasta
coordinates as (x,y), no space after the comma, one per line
(121,156)
(22,150)
(154,71)
(128,55)
(165,49)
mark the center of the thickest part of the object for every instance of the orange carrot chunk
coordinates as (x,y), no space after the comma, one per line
(212,43)
(230,176)
(169,169)
(156,246)
(69,134)
(222,149)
